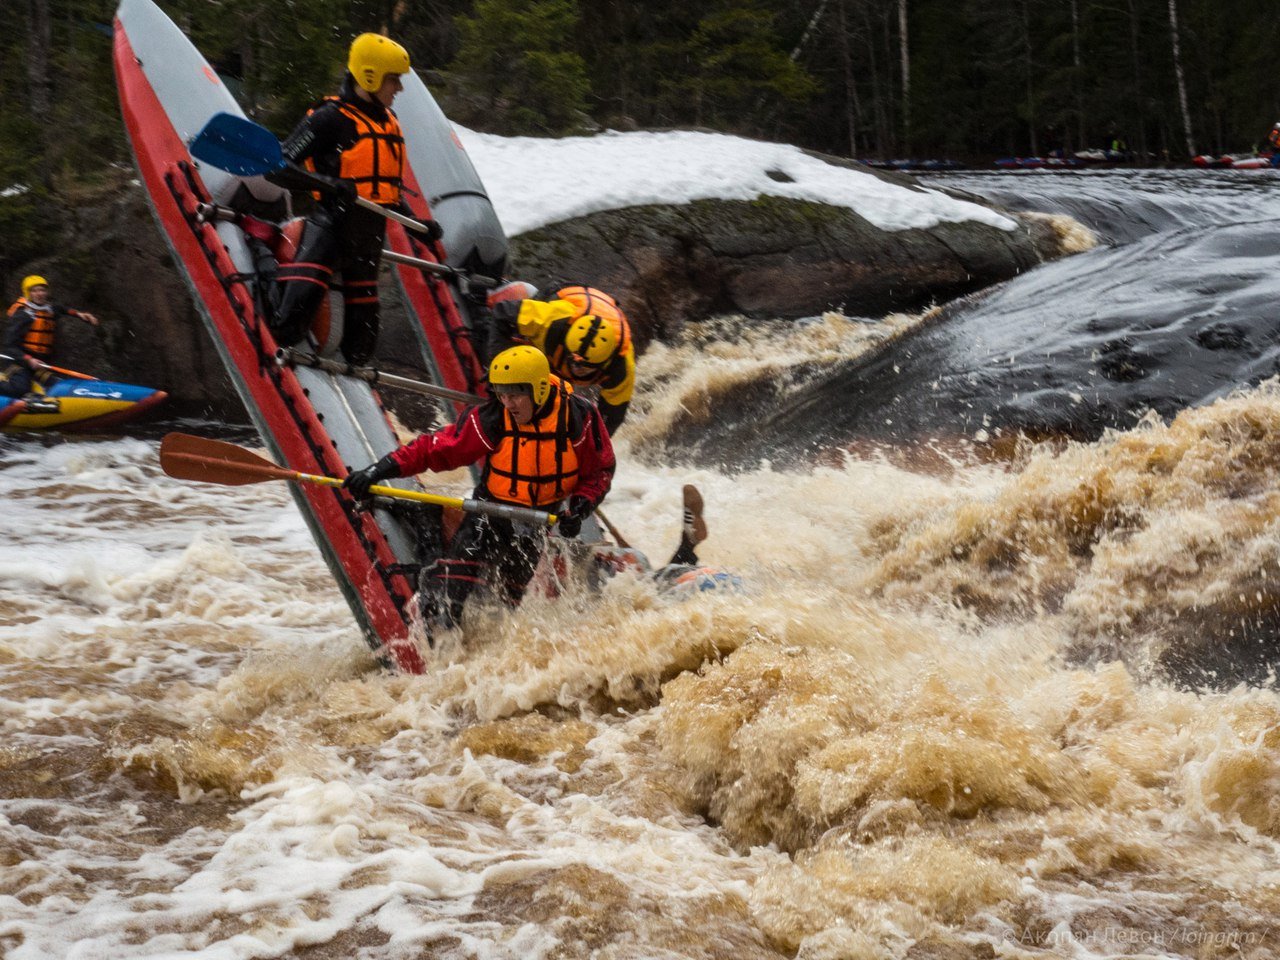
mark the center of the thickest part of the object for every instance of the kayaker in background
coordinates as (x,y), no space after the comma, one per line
(583,333)
(1273,144)
(1118,152)
(542,446)
(353,140)
(29,343)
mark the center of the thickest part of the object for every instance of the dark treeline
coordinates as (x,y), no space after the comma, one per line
(963,79)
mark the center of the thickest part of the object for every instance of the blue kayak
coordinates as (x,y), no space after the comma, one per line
(83,404)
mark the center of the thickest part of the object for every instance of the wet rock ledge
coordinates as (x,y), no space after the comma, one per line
(775,257)
(669,265)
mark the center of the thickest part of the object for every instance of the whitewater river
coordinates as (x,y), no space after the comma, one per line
(976,701)
(1170,303)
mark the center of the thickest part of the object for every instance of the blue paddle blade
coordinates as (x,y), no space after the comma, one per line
(238,146)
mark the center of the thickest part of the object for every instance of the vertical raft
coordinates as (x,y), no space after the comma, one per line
(310,420)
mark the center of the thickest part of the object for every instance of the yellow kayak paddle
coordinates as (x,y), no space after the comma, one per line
(187,457)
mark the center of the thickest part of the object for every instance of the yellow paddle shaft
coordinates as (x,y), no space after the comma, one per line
(505,510)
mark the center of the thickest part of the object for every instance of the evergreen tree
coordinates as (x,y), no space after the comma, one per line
(276,59)
(515,55)
(987,77)
(743,73)
(60,126)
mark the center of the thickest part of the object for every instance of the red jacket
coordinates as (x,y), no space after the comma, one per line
(479,431)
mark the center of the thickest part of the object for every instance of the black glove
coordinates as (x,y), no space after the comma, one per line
(431,230)
(295,178)
(505,315)
(434,230)
(570,518)
(346,191)
(503,329)
(361,480)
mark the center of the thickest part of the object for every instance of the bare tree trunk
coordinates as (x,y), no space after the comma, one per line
(905,57)
(1138,99)
(852,109)
(40,82)
(813,22)
(888,102)
(877,99)
(1076,75)
(1029,69)
(1182,82)
(625,66)
(39,40)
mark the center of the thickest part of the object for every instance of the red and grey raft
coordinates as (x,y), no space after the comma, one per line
(310,420)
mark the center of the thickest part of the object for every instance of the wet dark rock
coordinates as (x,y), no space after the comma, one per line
(670,265)
(772,257)
(1121,363)
(1081,345)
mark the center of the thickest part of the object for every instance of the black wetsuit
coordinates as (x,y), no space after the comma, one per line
(339,235)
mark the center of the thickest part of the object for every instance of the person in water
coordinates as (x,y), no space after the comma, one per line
(543,447)
(684,569)
(29,344)
(353,141)
(584,334)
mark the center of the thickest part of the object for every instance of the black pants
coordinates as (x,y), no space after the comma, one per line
(484,550)
(352,243)
(16,378)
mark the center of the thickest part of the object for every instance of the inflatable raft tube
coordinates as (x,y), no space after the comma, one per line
(310,420)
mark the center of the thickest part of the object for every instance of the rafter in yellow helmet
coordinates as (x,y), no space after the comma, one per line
(372,57)
(595,339)
(523,364)
(28,283)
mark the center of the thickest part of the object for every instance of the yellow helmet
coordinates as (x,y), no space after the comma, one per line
(372,57)
(595,340)
(522,366)
(32,281)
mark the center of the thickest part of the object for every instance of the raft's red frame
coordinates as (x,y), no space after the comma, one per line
(356,548)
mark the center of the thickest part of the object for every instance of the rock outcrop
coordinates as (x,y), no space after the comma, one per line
(773,257)
(670,265)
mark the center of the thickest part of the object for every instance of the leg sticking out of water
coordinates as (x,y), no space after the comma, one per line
(685,575)
(692,531)
(684,564)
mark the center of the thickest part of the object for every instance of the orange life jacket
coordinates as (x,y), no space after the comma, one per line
(38,340)
(536,464)
(586,300)
(376,160)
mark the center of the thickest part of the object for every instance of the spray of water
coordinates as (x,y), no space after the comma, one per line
(939,721)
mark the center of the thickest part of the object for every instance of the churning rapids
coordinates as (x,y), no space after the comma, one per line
(979,699)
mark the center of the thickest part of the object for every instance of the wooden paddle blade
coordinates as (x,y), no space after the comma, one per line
(237,145)
(185,457)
